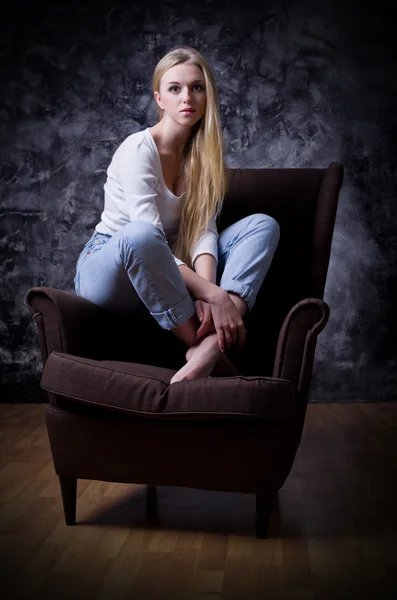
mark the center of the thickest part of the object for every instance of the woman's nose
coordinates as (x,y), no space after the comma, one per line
(186,94)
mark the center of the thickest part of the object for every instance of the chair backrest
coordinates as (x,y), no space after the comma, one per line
(304,203)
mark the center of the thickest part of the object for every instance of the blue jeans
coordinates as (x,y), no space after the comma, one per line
(136,264)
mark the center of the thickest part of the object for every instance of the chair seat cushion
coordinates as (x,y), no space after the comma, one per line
(145,390)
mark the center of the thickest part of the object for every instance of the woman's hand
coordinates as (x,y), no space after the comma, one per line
(203,311)
(228,321)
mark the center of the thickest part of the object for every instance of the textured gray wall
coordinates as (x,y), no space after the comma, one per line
(301,84)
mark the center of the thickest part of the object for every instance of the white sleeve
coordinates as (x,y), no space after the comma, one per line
(178,261)
(207,243)
(139,182)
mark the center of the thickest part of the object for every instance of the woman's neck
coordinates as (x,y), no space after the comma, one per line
(170,141)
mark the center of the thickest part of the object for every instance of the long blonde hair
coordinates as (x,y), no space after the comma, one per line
(203,167)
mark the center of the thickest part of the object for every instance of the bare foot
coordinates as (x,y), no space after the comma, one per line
(223,368)
(202,359)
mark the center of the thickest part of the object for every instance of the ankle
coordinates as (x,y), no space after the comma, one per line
(187,332)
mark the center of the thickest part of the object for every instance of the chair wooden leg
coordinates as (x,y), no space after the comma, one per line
(69,492)
(263,510)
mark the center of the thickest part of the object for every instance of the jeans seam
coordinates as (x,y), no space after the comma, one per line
(247,293)
(148,278)
(84,254)
(168,315)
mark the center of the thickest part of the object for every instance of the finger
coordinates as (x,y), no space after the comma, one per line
(203,315)
(228,337)
(221,341)
(204,327)
(207,318)
(212,322)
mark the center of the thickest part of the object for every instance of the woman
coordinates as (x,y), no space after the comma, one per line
(157,241)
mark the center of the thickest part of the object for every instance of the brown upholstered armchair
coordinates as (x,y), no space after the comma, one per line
(112,415)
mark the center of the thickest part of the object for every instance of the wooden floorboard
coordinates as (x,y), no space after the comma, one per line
(332,533)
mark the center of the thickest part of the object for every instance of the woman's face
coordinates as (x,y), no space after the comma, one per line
(182,87)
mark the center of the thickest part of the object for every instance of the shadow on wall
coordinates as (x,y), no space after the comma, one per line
(352,362)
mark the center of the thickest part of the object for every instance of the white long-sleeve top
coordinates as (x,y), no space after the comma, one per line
(135,190)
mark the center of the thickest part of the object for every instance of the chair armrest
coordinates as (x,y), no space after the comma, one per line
(297,343)
(66,322)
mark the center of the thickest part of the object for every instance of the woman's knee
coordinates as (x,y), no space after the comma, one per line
(269,225)
(141,233)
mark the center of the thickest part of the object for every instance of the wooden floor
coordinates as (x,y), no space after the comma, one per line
(332,534)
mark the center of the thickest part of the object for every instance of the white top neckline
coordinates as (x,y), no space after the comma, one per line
(154,146)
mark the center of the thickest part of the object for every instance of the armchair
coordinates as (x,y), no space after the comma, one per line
(112,415)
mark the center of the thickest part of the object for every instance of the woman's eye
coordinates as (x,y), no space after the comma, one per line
(175,87)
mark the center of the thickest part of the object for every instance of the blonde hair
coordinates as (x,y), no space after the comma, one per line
(203,167)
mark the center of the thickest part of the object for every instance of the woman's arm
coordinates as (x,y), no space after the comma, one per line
(199,287)
(227,320)
(205,266)
(206,244)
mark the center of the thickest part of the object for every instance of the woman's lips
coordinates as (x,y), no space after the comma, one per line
(188,110)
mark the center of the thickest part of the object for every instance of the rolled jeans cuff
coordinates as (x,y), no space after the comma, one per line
(177,315)
(244,291)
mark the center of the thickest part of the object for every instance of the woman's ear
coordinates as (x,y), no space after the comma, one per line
(158,100)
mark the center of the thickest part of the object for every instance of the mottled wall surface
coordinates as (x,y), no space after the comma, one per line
(301,84)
